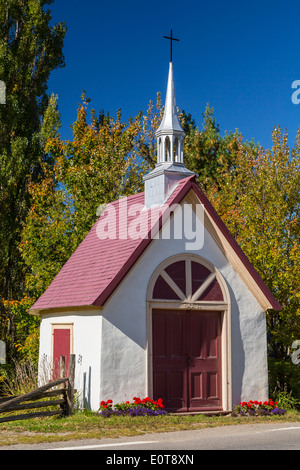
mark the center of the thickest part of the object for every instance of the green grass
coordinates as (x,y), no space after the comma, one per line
(88,425)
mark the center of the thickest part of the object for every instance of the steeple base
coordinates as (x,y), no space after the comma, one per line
(162,181)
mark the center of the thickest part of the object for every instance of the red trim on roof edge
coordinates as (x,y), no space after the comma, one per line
(181,190)
(232,241)
(190,183)
(103,297)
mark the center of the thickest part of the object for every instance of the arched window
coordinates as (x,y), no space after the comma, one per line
(175,150)
(159,150)
(187,280)
(167,149)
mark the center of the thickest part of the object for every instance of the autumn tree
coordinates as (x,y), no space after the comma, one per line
(30,48)
(99,165)
(206,150)
(258,198)
(105,160)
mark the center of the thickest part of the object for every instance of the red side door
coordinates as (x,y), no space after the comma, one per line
(61,347)
(187,359)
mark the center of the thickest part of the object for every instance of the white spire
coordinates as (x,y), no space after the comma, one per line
(170,168)
(170,121)
(170,134)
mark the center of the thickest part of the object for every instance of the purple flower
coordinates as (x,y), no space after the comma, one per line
(278,411)
(263,412)
(133,411)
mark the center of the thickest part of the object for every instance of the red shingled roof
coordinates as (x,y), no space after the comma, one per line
(97,266)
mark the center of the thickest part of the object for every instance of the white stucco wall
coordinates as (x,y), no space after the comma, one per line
(86,345)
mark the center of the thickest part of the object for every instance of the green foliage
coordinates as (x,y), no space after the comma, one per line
(258,198)
(101,164)
(19,378)
(284,381)
(49,235)
(286,400)
(149,125)
(25,328)
(206,151)
(30,48)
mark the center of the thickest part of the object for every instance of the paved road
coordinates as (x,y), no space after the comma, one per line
(277,436)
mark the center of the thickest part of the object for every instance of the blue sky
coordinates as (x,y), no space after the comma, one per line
(241,57)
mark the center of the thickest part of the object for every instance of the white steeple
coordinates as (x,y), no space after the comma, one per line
(170,168)
(170,134)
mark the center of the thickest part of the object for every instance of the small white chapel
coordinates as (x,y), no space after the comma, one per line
(159,300)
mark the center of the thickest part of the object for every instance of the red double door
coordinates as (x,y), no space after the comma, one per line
(187,359)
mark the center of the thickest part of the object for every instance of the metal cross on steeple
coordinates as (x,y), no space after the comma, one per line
(171,41)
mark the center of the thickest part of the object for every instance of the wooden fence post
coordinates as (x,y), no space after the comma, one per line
(72,369)
(66,404)
(71,381)
(62,367)
(16,403)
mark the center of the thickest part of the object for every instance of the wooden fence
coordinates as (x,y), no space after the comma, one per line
(63,387)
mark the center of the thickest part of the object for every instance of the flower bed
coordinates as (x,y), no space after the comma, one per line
(257,408)
(138,407)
